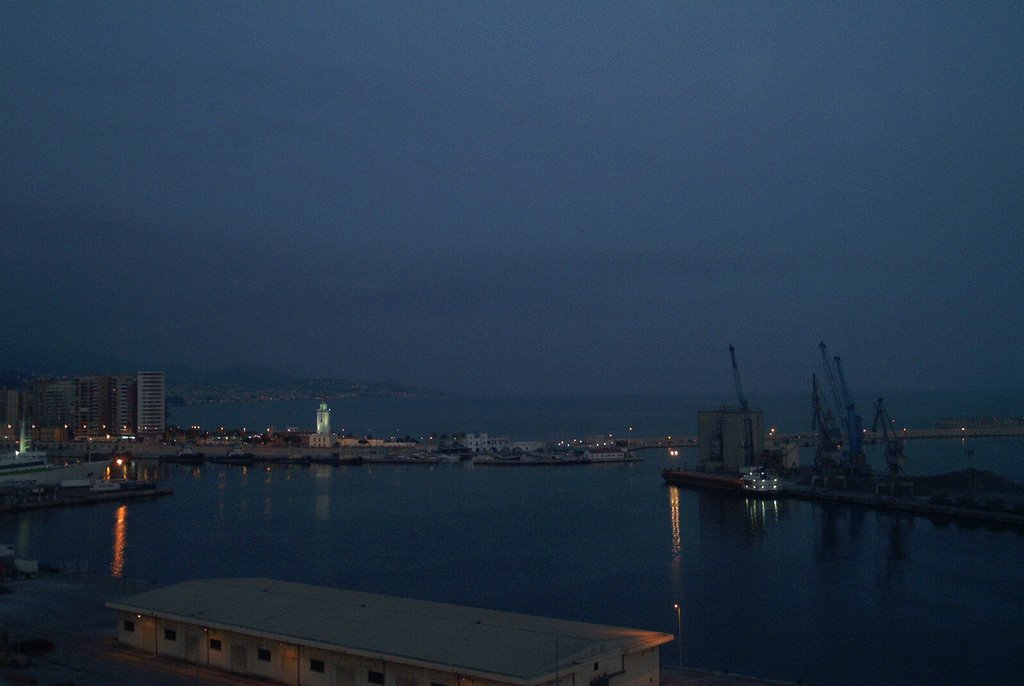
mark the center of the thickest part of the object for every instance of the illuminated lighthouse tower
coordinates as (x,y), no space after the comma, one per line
(323,419)
(323,438)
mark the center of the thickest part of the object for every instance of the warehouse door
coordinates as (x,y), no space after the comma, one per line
(289,664)
(344,676)
(239,659)
(148,640)
(191,647)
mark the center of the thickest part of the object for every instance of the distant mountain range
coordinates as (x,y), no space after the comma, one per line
(192,384)
(244,383)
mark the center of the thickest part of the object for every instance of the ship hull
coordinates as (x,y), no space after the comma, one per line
(706,480)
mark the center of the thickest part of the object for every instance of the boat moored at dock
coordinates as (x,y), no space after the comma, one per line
(752,481)
(186,455)
(759,481)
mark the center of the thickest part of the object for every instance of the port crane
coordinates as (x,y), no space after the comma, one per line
(823,421)
(736,380)
(894,457)
(748,429)
(852,422)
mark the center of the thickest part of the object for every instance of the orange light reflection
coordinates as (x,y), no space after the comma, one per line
(677,538)
(120,539)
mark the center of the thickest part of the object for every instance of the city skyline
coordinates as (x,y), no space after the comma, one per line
(518,200)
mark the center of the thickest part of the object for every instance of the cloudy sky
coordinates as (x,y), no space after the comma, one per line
(520,197)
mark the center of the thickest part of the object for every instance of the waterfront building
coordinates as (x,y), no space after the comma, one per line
(311,635)
(12,412)
(12,406)
(92,406)
(527,446)
(51,403)
(151,392)
(607,454)
(353,442)
(482,443)
(124,404)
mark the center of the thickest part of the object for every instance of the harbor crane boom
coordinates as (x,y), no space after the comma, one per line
(849,418)
(824,423)
(826,364)
(748,427)
(854,423)
(736,379)
(894,457)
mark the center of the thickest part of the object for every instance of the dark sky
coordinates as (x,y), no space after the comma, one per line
(520,197)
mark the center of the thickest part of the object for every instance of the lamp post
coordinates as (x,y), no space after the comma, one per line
(679,634)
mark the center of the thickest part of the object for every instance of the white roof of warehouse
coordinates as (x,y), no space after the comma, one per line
(488,643)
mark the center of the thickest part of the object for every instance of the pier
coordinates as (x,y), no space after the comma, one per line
(810,438)
(907,504)
(18,500)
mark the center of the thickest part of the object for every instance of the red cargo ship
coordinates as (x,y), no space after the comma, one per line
(752,483)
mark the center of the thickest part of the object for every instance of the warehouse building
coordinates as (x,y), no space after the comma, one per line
(314,636)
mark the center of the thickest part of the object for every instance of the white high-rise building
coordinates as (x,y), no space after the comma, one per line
(152,394)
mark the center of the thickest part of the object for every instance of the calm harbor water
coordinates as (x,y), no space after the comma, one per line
(784,589)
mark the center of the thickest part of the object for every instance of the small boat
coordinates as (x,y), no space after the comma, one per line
(760,481)
(186,455)
(234,456)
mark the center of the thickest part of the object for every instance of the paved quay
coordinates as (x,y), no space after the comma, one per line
(69,610)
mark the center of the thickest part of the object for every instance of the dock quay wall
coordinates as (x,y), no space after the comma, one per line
(19,502)
(631,443)
(810,438)
(909,504)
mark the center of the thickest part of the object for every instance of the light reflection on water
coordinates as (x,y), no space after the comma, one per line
(322,510)
(677,537)
(120,541)
(761,512)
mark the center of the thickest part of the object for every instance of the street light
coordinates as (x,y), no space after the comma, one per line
(679,628)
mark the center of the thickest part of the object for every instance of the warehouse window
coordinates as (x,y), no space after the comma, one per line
(170,635)
(129,625)
(375,677)
(214,644)
(263,654)
(316,666)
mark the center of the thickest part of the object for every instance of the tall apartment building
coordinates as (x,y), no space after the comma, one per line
(124,403)
(93,405)
(12,406)
(51,403)
(151,391)
(12,411)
